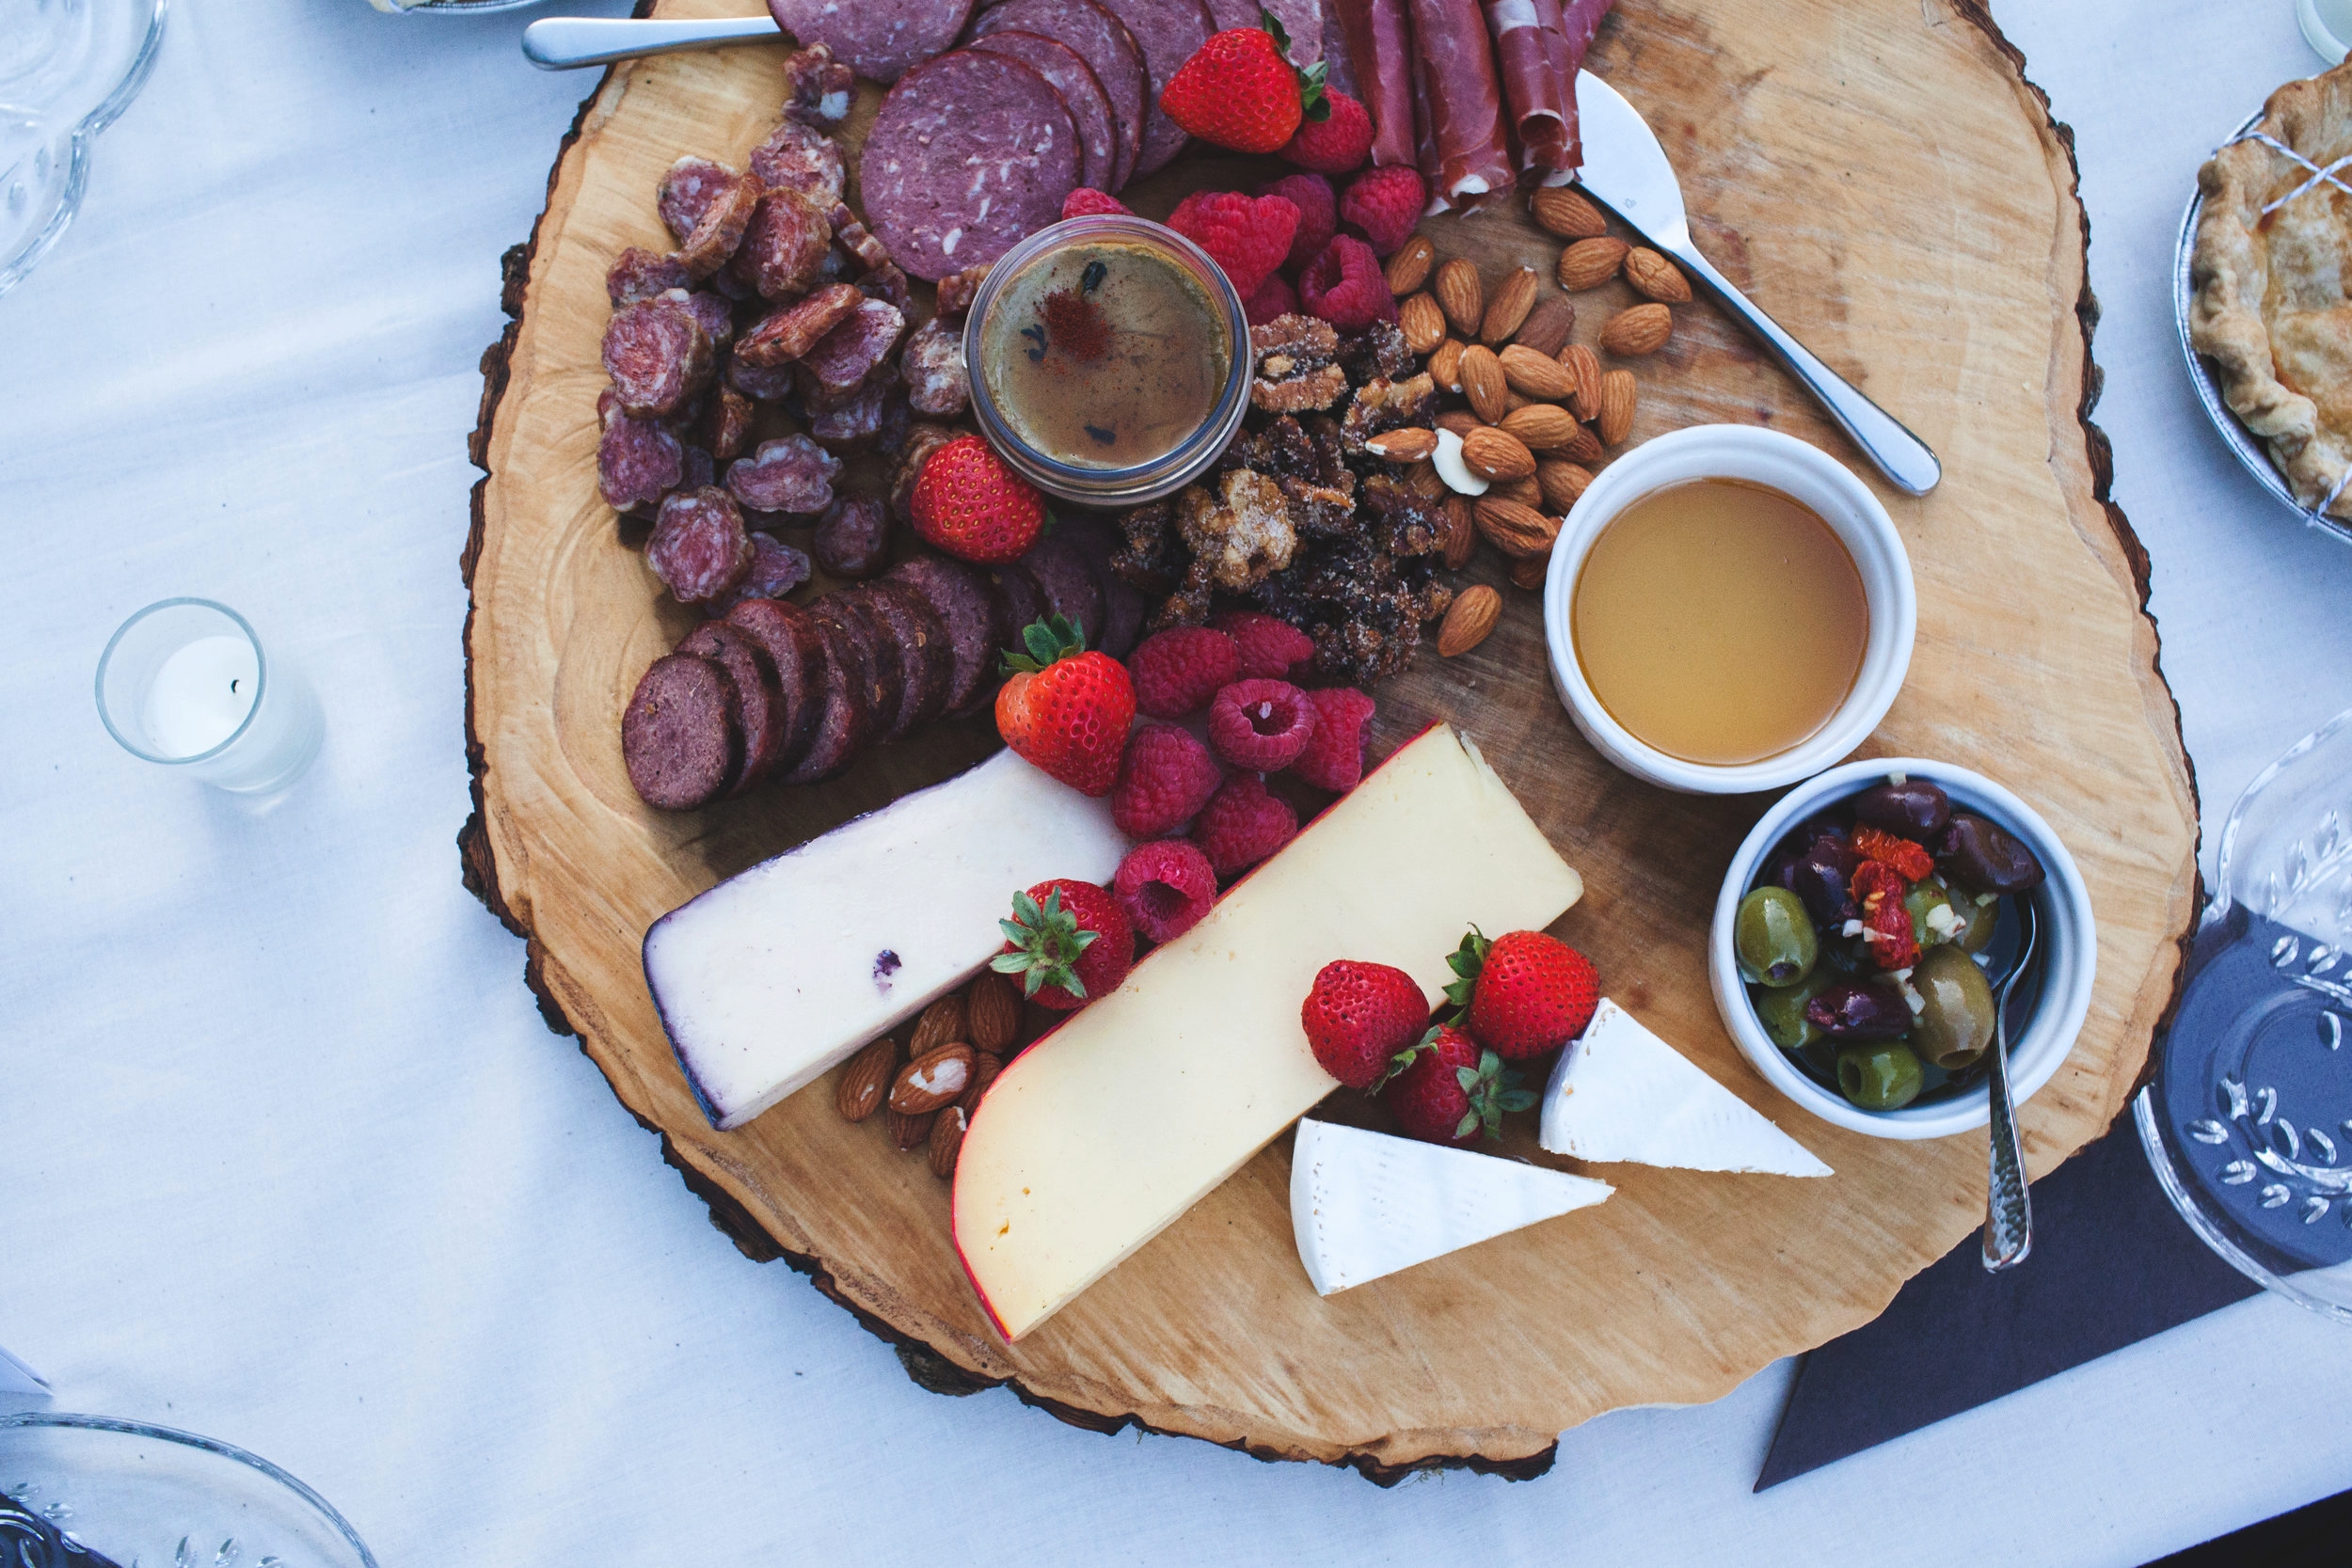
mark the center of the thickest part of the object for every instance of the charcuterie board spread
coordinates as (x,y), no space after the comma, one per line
(989,710)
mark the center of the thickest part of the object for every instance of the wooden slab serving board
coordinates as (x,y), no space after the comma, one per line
(1877,174)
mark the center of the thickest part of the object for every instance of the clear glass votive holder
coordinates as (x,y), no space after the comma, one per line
(186,684)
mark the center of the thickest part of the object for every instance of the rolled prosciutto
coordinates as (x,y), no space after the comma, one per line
(1540,46)
(1426,145)
(1380,53)
(1452,48)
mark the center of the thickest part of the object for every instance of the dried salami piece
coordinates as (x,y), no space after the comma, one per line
(933,369)
(1069,585)
(925,663)
(699,548)
(728,424)
(800,157)
(853,538)
(845,713)
(759,705)
(889,285)
(922,440)
(791,332)
(1108,46)
(793,474)
(897,419)
(637,274)
(784,246)
(679,739)
(843,360)
(725,220)
(817,89)
(637,462)
(788,634)
(700,471)
(865,249)
(733,283)
(959,289)
(975,635)
(879,39)
(1081,92)
(658,356)
(776,569)
(685,191)
(842,424)
(717,314)
(885,666)
(760,383)
(969,155)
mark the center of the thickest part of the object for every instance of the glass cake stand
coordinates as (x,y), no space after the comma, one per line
(67,69)
(2247,1121)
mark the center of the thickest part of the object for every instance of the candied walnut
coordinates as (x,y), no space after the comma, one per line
(1320,511)
(1378,351)
(1153,558)
(1431,596)
(1382,406)
(1404,523)
(1188,606)
(1295,365)
(958,290)
(1243,534)
(817,89)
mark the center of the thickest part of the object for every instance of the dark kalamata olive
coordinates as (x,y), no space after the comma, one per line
(1847,1013)
(1912,809)
(1985,857)
(1818,875)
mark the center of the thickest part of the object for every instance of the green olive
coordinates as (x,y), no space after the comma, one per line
(1977,921)
(1923,900)
(1956,1025)
(1781,1011)
(1879,1077)
(1774,938)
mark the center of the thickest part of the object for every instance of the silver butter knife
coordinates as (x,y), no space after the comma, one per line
(1625,168)
(568,42)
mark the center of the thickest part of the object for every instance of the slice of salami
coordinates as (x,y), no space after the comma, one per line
(888,284)
(728,424)
(776,569)
(845,715)
(637,274)
(791,332)
(1123,607)
(1171,32)
(1107,44)
(700,471)
(793,474)
(1301,19)
(784,247)
(686,190)
(817,89)
(926,664)
(1069,585)
(788,634)
(1081,92)
(658,356)
(699,548)
(717,314)
(846,424)
(878,39)
(965,607)
(760,705)
(852,538)
(637,462)
(1022,600)
(760,383)
(885,670)
(956,291)
(723,224)
(679,739)
(845,358)
(801,157)
(969,155)
(933,369)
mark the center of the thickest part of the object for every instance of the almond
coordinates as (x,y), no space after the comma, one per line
(1589,263)
(1509,307)
(1423,478)
(1546,328)
(1524,491)
(1514,402)
(1567,213)
(1562,484)
(867,1080)
(1516,530)
(942,1023)
(1583,366)
(1473,614)
(1656,277)
(1483,383)
(1459,420)
(929,1082)
(1462,296)
(909,1132)
(1537,375)
(1531,572)
(1411,444)
(947,1141)
(1616,404)
(1445,365)
(1583,446)
(1542,426)
(1422,322)
(1408,269)
(1492,454)
(1461,533)
(991,1006)
(984,1070)
(1637,330)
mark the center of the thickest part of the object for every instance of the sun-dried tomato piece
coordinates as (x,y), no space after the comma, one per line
(1910,860)
(1878,892)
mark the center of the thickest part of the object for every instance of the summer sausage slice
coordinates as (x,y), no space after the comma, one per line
(845,717)
(880,39)
(1107,44)
(965,607)
(758,702)
(1081,92)
(1069,584)
(679,739)
(788,635)
(1123,607)
(1020,598)
(925,663)
(886,675)
(1171,32)
(969,155)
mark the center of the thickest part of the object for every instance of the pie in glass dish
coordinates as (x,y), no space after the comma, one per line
(2272,276)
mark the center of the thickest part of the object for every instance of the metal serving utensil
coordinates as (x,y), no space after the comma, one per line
(568,42)
(2008,1210)
(1625,168)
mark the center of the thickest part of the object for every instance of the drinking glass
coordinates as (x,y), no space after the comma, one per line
(186,684)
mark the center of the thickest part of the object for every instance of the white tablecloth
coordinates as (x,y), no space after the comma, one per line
(288,1157)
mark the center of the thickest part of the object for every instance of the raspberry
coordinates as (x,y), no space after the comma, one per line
(1165,777)
(1246,235)
(1344,286)
(1164,887)
(1262,724)
(1243,823)
(1176,671)
(1385,203)
(1334,757)
(1274,298)
(1086,202)
(1270,649)
(1338,145)
(1318,215)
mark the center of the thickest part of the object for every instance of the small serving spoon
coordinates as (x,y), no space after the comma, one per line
(2008,1210)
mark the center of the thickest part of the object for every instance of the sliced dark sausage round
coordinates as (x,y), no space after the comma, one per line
(1069,585)
(678,736)
(1123,607)
(926,661)
(1107,44)
(844,720)
(758,702)
(976,638)
(1081,92)
(1019,600)
(886,683)
(880,39)
(1169,32)
(788,635)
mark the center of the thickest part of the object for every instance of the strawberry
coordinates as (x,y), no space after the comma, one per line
(1359,1016)
(1240,89)
(1069,941)
(969,503)
(1523,993)
(1065,709)
(1447,1090)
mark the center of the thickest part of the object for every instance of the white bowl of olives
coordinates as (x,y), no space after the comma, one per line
(1864,933)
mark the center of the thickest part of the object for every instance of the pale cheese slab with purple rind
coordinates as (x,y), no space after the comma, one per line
(780,973)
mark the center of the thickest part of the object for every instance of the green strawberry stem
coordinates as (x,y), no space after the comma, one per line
(1048,641)
(1047,945)
(1313,105)
(1493,1090)
(1468,961)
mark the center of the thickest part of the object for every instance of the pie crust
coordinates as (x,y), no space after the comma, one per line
(2273,292)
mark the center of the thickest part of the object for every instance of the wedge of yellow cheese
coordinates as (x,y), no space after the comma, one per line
(1107,1129)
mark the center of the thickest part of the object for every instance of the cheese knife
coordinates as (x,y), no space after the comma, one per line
(568,42)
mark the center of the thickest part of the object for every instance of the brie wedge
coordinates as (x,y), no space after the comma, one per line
(773,976)
(1365,1204)
(1620,1093)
